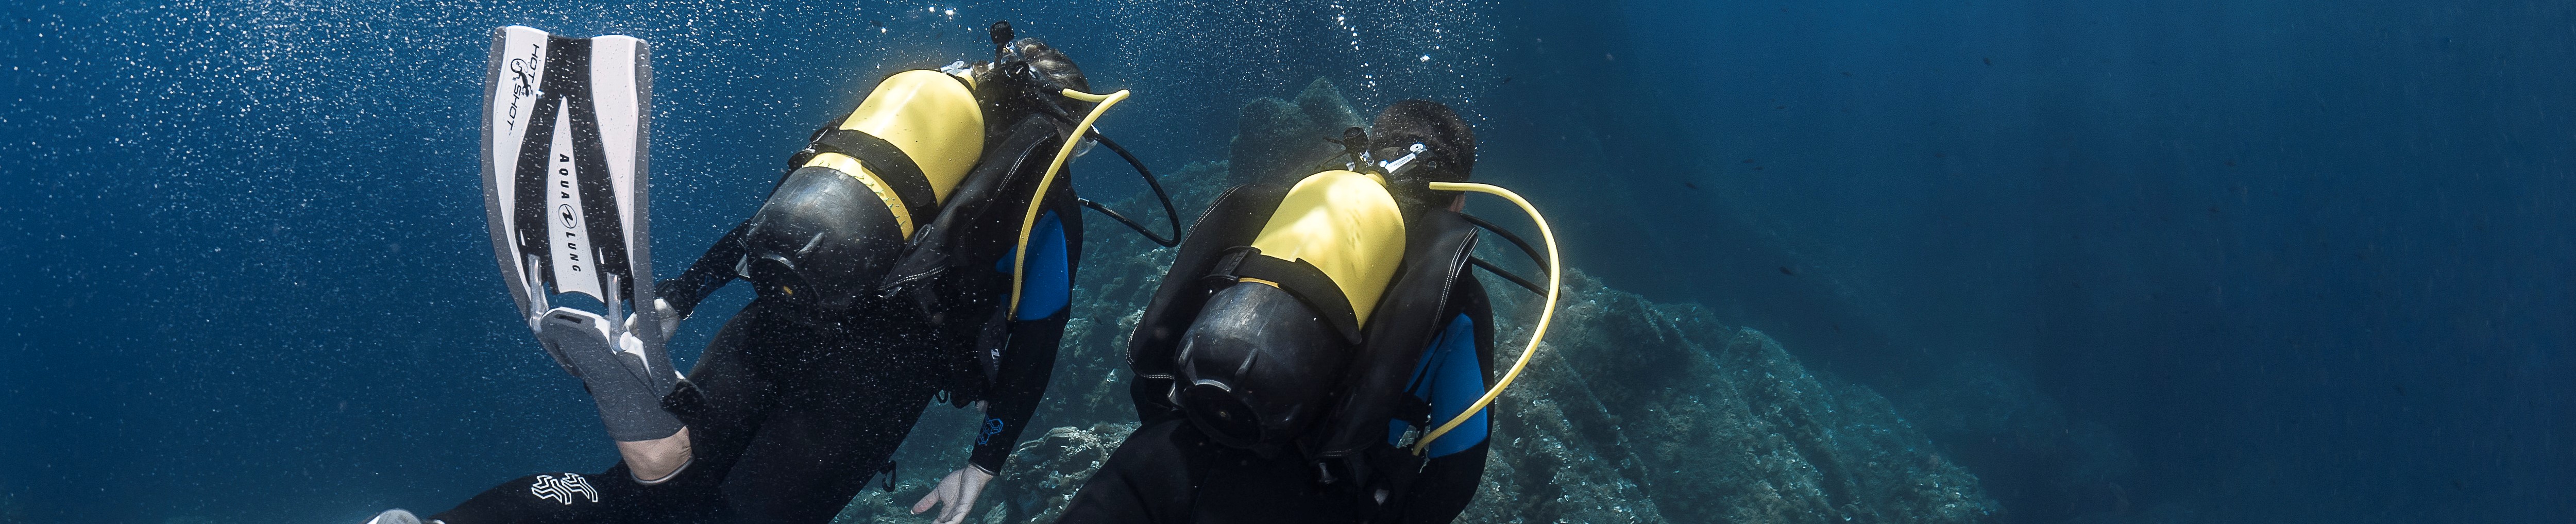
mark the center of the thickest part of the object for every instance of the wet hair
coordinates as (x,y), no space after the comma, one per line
(1011,95)
(1451,144)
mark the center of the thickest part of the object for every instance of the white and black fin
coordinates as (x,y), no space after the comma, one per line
(564,133)
(564,165)
(394,516)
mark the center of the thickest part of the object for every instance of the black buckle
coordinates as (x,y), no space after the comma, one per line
(1224,272)
(813,146)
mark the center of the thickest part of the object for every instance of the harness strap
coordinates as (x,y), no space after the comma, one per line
(1300,278)
(882,158)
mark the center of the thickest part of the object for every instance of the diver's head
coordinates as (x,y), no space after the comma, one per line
(1449,150)
(1028,77)
(1050,64)
(1257,367)
(1028,74)
(820,241)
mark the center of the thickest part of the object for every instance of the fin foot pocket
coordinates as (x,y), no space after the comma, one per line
(394,516)
(627,388)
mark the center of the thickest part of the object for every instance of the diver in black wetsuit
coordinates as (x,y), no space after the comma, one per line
(922,245)
(1306,342)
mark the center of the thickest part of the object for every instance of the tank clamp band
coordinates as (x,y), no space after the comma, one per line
(1299,277)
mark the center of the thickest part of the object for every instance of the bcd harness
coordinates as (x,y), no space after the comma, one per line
(944,270)
(1350,442)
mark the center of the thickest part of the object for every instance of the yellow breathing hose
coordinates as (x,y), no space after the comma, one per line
(1020,256)
(1545,313)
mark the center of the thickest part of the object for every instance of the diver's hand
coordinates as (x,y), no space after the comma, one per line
(669,318)
(957,491)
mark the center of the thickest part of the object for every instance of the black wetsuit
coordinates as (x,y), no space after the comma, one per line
(790,415)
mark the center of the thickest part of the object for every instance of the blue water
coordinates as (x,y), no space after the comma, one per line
(2304,261)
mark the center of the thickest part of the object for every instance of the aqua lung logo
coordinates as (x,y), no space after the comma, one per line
(565,214)
(562,489)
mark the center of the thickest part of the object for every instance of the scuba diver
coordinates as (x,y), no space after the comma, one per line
(922,248)
(1319,352)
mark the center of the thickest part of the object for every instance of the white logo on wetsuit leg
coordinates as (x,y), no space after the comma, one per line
(562,489)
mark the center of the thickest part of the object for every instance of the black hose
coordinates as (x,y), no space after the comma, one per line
(1122,219)
(1507,275)
(1507,235)
(1170,212)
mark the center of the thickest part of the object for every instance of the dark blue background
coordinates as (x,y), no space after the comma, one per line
(2308,261)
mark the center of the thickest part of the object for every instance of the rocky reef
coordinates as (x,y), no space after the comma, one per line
(1278,139)
(1635,411)
(1632,411)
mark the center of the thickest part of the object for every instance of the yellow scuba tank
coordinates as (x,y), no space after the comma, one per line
(1260,362)
(1347,225)
(932,121)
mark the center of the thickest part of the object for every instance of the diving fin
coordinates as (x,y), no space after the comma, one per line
(564,122)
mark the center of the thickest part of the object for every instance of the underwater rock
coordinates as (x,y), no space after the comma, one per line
(1635,411)
(1046,472)
(1993,415)
(1043,474)
(1277,140)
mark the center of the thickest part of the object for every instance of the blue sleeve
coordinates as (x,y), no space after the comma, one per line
(1451,379)
(1029,360)
(1048,288)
